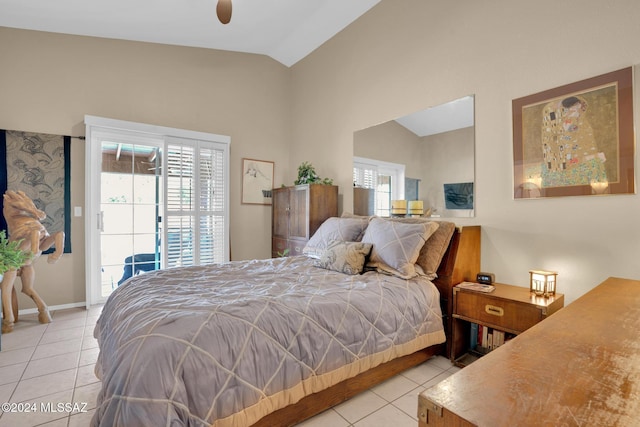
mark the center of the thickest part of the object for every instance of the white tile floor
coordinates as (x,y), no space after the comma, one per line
(53,364)
(47,365)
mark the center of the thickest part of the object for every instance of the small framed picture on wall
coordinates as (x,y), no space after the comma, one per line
(257,182)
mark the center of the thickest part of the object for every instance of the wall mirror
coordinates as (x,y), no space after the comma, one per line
(427,156)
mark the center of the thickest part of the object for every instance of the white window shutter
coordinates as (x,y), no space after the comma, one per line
(195,195)
(212,201)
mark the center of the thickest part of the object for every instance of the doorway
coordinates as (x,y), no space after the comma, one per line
(156,198)
(130,210)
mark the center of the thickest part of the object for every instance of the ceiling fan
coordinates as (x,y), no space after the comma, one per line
(223,10)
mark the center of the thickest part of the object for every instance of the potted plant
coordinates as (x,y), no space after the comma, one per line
(307,175)
(11,256)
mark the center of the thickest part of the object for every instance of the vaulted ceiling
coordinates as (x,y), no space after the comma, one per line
(286,30)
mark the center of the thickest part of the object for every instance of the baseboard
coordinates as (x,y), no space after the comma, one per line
(53,308)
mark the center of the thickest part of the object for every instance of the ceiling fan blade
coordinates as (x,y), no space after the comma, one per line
(223,11)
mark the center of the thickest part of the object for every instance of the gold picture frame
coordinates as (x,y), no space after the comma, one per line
(257,181)
(576,139)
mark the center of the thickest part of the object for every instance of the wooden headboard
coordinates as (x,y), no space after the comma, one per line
(461,262)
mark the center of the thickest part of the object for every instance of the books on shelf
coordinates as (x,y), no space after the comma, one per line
(474,336)
(484,339)
(480,287)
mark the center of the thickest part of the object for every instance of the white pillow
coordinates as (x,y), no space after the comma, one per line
(334,229)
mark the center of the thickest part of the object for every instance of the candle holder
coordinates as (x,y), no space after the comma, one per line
(398,207)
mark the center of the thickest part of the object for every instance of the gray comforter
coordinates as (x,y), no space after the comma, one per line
(225,345)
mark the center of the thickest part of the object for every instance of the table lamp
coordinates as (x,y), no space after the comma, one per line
(542,282)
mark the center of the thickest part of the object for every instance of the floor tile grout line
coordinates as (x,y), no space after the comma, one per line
(44,395)
(402,410)
(81,346)
(78,366)
(75,382)
(32,359)
(340,415)
(75,379)
(59,354)
(388,402)
(25,368)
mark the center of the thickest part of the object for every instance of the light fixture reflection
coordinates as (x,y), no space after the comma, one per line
(600,187)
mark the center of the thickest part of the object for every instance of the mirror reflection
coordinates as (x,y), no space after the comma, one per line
(427,157)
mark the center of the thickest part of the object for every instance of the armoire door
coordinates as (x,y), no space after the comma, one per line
(299,206)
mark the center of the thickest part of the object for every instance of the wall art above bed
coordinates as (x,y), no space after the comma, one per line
(576,139)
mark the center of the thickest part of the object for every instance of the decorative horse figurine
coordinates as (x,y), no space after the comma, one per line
(23,224)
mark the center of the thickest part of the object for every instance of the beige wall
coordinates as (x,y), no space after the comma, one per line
(390,142)
(401,57)
(404,56)
(447,157)
(48,82)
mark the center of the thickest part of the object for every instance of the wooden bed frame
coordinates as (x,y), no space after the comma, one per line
(461,262)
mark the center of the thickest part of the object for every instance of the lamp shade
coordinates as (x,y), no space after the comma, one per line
(542,282)
(398,207)
(416,207)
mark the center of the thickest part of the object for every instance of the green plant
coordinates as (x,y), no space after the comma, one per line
(283,253)
(11,256)
(307,175)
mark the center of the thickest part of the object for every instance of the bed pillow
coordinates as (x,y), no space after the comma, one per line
(433,250)
(362,217)
(344,257)
(352,215)
(340,229)
(396,245)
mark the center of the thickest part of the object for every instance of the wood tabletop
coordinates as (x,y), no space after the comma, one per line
(518,293)
(579,367)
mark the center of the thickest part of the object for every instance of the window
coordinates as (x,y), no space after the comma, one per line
(385,177)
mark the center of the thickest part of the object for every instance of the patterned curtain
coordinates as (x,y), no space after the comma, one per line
(38,164)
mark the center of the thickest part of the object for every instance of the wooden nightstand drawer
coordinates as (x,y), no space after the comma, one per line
(508,309)
(507,315)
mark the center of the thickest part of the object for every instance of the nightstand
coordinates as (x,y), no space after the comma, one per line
(506,312)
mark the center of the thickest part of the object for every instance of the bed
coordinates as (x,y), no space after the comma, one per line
(273,342)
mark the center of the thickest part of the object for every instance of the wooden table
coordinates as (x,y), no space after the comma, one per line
(579,367)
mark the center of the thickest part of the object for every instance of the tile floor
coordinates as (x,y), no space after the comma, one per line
(53,364)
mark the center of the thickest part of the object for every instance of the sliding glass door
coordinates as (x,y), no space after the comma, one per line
(156,198)
(130,211)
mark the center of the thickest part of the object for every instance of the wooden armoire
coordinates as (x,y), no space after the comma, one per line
(298,211)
